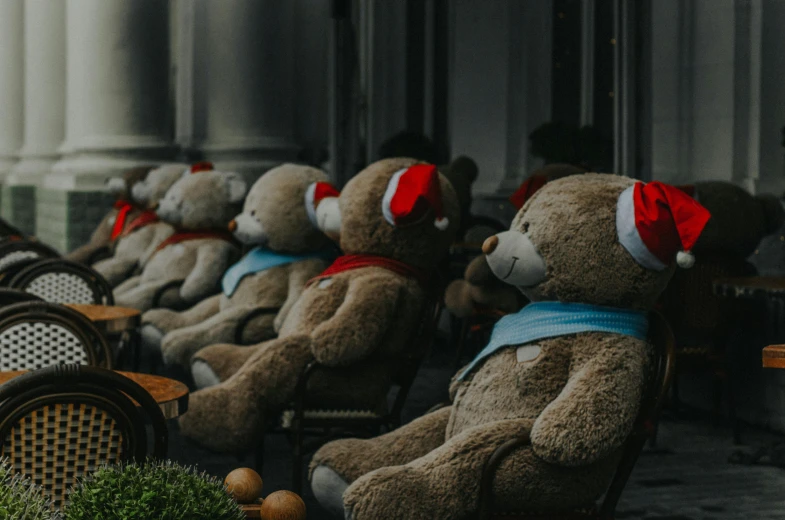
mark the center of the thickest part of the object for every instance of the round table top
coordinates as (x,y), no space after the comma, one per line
(751,287)
(109,318)
(171,395)
(774,356)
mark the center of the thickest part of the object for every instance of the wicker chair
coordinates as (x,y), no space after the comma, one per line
(702,323)
(63,421)
(326,424)
(653,399)
(34,335)
(62,281)
(18,254)
(12,296)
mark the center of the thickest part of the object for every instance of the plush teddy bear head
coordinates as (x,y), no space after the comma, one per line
(595,239)
(739,220)
(148,191)
(203,200)
(399,209)
(122,187)
(279,211)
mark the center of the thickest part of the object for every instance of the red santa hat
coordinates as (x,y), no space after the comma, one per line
(410,193)
(316,193)
(656,222)
(527,189)
(201,166)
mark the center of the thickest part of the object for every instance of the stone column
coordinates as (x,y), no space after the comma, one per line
(44,109)
(11,82)
(240,86)
(118,110)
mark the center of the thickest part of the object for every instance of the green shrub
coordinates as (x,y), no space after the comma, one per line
(160,490)
(20,499)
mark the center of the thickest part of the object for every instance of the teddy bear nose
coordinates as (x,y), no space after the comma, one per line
(156,206)
(489,246)
(232,226)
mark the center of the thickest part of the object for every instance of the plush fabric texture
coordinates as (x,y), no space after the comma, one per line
(200,201)
(479,288)
(102,236)
(574,397)
(138,242)
(356,322)
(274,219)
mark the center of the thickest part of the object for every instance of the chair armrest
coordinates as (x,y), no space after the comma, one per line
(161,290)
(485,506)
(259,311)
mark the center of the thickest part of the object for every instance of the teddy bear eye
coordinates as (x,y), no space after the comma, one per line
(253,212)
(525,227)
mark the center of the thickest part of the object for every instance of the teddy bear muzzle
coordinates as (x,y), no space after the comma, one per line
(140,193)
(328,217)
(514,259)
(248,230)
(116,185)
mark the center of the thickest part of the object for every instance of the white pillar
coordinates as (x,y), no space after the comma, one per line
(44,108)
(118,111)
(11,81)
(241,86)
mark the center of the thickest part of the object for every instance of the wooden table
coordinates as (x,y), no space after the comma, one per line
(108,318)
(171,395)
(774,356)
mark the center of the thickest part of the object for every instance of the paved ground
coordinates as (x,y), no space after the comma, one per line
(686,477)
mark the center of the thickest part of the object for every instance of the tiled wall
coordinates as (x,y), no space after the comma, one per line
(19,207)
(67,219)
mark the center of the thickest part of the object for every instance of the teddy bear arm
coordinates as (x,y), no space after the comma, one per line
(211,263)
(299,275)
(353,458)
(167,320)
(359,324)
(115,269)
(159,234)
(595,412)
(445,483)
(479,272)
(127,285)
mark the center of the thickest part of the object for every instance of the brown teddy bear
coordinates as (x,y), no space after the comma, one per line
(396,219)
(592,252)
(199,206)
(145,231)
(279,218)
(118,218)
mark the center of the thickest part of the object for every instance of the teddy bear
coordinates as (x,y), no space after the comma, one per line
(144,232)
(112,225)
(187,267)
(566,373)
(279,219)
(394,221)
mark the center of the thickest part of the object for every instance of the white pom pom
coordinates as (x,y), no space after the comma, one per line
(441,223)
(685,260)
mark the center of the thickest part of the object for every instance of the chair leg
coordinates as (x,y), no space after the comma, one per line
(297,458)
(259,456)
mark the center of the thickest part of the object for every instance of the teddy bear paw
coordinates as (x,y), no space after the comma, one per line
(151,338)
(203,374)
(394,493)
(328,487)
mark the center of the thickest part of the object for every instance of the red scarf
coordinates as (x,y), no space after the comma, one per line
(123,207)
(147,217)
(349,262)
(184,236)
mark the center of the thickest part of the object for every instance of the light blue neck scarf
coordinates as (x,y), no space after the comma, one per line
(260,259)
(542,320)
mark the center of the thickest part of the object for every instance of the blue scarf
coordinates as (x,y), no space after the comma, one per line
(542,320)
(260,259)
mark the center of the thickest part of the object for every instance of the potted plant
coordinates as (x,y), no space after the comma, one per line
(160,490)
(20,499)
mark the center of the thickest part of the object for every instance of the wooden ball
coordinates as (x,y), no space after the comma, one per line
(244,484)
(283,505)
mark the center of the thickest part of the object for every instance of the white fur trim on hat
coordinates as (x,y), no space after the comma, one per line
(392,187)
(309,205)
(628,233)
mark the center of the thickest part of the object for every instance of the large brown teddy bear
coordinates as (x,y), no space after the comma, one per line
(567,371)
(118,218)
(199,206)
(145,231)
(279,220)
(396,220)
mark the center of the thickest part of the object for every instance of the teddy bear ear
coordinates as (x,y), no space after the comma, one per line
(410,193)
(236,186)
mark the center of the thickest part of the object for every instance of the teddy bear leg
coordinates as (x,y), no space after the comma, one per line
(217,363)
(338,464)
(156,323)
(128,285)
(443,484)
(230,417)
(179,345)
(115,269)
(139,297)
